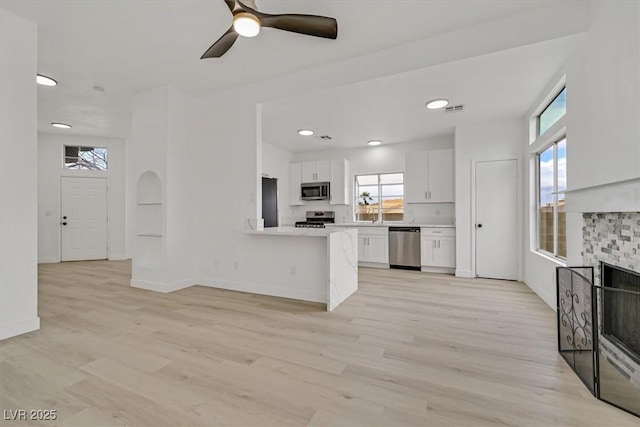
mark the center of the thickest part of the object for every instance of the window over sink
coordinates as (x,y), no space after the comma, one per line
(379,197)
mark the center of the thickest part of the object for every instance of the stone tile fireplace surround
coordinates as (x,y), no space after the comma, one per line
(613,238)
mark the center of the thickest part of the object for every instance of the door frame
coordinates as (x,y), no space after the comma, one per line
(106,195)
(519,254)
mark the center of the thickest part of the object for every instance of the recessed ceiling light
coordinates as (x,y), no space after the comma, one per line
(434,104)
(374,142)
(61,125)
(45,81)
(305,132)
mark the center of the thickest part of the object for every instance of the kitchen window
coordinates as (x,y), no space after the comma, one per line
(551,186)
(85,158)
(379,197)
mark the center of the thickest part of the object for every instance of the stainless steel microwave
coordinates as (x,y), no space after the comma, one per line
(314,191)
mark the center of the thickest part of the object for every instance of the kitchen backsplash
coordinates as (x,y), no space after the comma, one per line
(427,213)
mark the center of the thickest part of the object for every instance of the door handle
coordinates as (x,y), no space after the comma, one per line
(64,217)
(479,225)
(64,223)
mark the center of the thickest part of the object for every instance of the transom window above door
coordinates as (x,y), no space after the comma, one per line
(85,158)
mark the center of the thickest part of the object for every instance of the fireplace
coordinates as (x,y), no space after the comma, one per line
(621,308)
(611,246)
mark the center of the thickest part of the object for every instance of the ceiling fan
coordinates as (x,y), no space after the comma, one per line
(247,22)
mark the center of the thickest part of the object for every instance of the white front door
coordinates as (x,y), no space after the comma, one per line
(83,219)
(496,219)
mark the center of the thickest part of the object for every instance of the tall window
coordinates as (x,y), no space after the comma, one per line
(379,197)
(85,158)
(552,184)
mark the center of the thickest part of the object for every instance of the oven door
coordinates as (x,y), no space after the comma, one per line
(314,191)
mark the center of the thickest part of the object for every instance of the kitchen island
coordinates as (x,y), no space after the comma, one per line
(318,265)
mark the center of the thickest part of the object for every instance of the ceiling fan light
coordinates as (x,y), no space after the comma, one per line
(435,104)
(305,132)
(45,81)
(246,24)
(61,125)
(374,142)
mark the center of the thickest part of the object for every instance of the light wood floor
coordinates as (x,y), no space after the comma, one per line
(407,349)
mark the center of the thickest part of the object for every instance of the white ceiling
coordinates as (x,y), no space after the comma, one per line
(392,109)
(130,46)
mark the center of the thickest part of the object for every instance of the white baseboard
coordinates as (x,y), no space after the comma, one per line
(465,273)
(19,328)
(442,270)
(266,289)
(162,287)
(48,260)
(372,264)
(121,257)
(550,300)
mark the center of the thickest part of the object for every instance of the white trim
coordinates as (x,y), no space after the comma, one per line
(266,289)
(550,257)
(441,270)
(120,257)
(19,328)
(48,260)
(465,273)
(162,287)
(549,299)
(372,264)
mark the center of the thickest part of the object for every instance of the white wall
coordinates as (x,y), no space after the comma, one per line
(275,164)
(482,141)
(18,177)
(227,151)
(161,142)
(50,161)
(381,159)
(603,134)
(603,93)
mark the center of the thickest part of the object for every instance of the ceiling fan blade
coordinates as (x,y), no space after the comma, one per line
(222,45)
(231,4)
(311,25)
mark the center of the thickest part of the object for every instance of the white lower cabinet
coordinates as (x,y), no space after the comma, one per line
(437,247)
(373,245)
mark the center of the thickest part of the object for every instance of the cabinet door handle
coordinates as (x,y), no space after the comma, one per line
(429,195)
(438,243)
(426,195)
(434,244)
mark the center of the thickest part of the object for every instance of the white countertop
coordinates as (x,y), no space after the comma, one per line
(389,224)
(293,231)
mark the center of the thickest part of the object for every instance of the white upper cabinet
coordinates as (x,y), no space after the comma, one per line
(295,179)
(319,171)
(336,172)
(339,182)
(429,177)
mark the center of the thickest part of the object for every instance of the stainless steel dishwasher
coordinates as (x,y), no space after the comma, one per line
(404,247)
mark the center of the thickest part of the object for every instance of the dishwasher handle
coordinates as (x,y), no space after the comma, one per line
(404,229)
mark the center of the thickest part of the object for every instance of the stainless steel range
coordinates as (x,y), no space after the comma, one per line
(317,219)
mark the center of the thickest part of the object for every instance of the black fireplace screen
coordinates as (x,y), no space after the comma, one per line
(592,330)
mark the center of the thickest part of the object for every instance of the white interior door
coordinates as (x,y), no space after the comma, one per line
(496,219)
(83,219)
